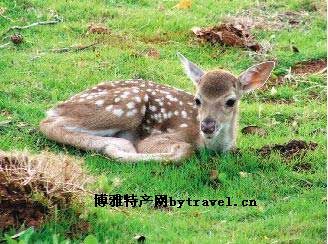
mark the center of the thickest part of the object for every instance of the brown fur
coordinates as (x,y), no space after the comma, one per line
(216,83)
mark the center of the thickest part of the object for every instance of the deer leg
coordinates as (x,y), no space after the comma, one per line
(154,148)
(56,130)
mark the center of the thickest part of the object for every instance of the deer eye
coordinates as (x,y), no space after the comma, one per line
(197,102)
(230,102)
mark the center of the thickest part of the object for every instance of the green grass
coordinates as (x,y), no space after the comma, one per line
(290,203)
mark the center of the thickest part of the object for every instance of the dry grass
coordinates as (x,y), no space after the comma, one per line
(32,185)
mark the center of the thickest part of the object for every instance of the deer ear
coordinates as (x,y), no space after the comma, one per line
(191,69)
(255,76)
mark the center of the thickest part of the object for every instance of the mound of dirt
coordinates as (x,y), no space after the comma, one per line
(254,130)
(290,149)
(309,67)
(30,186)
(229,33)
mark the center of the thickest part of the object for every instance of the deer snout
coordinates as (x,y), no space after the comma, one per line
(208,126)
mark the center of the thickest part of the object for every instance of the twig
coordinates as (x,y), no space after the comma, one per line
(321,71)
(5,45)
(56,20)
(6,17)
(73,48)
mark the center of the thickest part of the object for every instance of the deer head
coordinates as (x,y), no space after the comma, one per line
(217,97)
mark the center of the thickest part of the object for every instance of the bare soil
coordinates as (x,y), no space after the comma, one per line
(290,149)
(16,207)
(309,67)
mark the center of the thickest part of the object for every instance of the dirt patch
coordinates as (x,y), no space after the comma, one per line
(302,68)
(31,186)
(288,150)
(16,208)
(262,17)
(79,229)
(163,208)
(309,67)
(97,29)
(301,167)
(236,34)
(254,130)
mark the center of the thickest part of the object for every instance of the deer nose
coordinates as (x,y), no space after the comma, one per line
(208,126)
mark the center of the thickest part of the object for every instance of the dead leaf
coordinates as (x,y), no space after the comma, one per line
(5,123)
(214,175)
(254,130)
(16,39)
(244,174)
(2,10)
(295,49)
(183,4)
(214,179)
(161,7)
(98,29)
(153,53)
(273,91)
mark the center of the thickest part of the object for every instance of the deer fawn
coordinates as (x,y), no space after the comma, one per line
(137,120)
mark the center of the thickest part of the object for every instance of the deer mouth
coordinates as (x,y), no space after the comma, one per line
(215,133)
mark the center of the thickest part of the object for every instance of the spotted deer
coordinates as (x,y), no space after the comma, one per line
(139,120)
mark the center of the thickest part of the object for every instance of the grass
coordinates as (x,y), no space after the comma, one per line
(291,205)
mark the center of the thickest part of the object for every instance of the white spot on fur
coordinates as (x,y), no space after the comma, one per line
(164,92)
(117,99)
(184,114)
(118,112)
(152,108)
(135,90)
(99,102)
(171,98)
(181,103)
(163,110)
(137,99)
(130,105)
(176,112)
(125,94)
(109,108)
(183,125)
(84,95)
(169,130)
(143,110)
(153,93)
(132,112)
(146,98)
